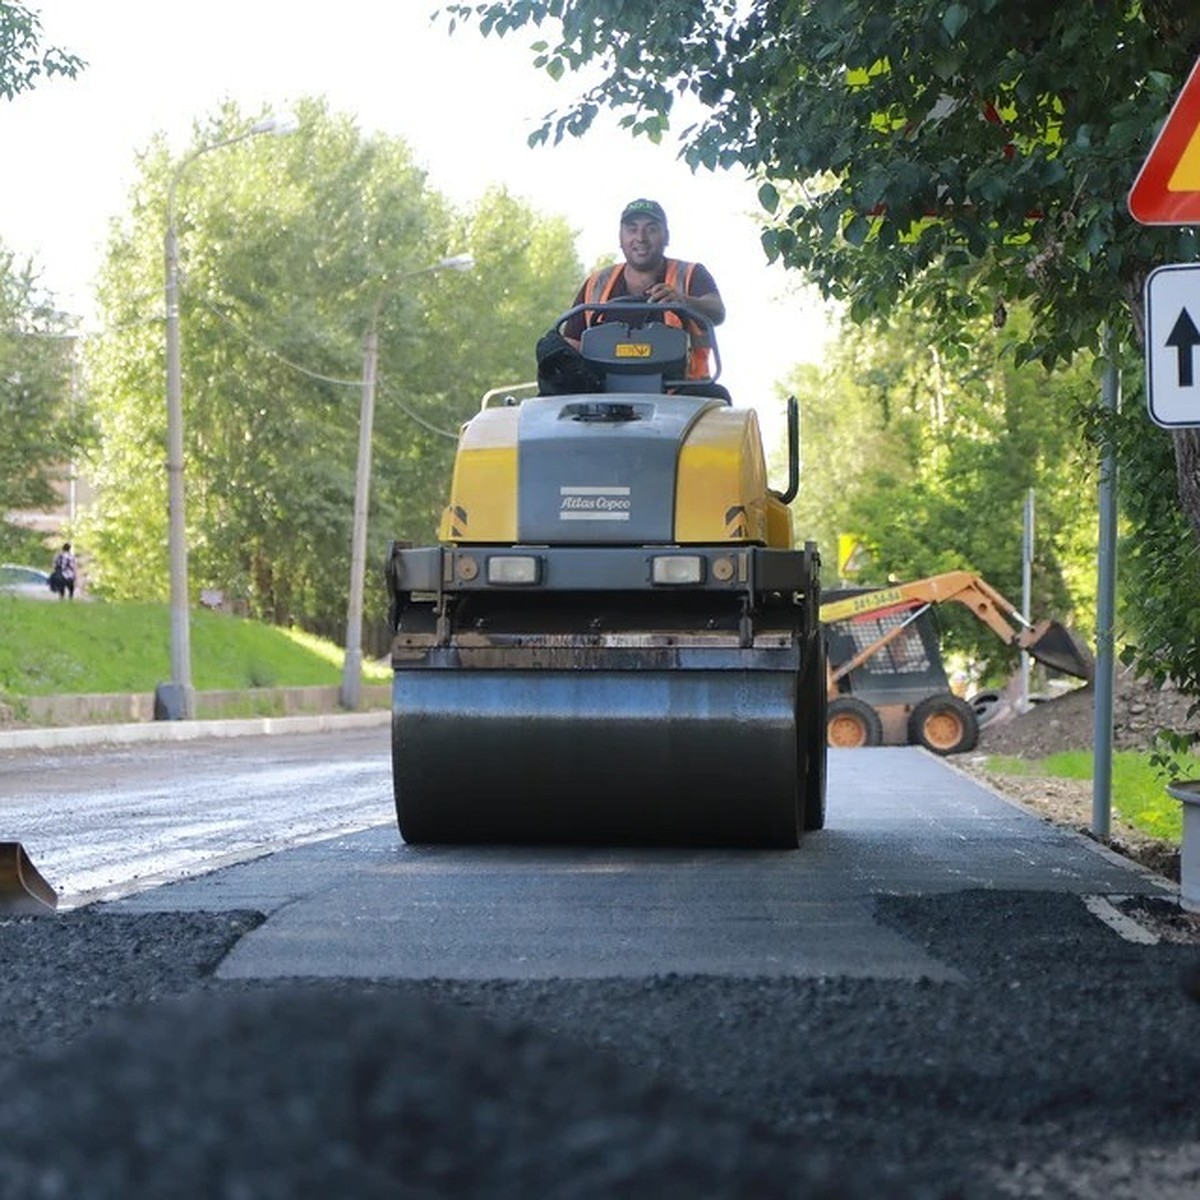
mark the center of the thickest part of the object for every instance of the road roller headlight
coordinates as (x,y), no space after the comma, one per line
(677,568)
(722,569)
(513,569)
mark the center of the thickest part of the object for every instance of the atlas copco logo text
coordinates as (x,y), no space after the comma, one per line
(595,504)
(580,503)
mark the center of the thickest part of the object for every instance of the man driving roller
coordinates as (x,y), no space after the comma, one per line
(648,274)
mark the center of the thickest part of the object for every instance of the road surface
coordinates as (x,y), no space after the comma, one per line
(105,823)
(924,1001)
(100,821)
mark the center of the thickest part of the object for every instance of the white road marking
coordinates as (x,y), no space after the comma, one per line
(1102,908)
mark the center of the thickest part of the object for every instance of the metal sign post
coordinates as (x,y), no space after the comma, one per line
(1026,593)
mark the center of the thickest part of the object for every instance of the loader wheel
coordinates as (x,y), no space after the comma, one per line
(944,724)
(853,723)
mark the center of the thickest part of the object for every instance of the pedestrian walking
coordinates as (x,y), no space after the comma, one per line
(62,576)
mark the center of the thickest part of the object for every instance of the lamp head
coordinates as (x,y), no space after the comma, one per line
(286,123)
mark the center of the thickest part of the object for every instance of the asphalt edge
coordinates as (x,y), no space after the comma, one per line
(1096,847)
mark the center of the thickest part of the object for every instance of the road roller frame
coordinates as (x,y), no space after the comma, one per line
(642,712)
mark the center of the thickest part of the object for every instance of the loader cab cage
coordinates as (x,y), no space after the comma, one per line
(909,665)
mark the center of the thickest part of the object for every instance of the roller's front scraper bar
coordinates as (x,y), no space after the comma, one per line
(22,890)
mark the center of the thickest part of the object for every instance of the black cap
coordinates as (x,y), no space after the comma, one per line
(644,208)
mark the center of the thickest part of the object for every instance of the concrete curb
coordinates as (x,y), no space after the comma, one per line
(56,738)
(119,708)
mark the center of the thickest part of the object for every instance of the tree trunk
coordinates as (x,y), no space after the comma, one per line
(1187,472)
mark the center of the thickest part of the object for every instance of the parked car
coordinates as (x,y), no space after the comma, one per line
(25,581)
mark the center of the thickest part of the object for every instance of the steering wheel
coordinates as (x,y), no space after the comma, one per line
(624,306)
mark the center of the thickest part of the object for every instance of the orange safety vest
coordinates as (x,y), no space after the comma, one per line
(599,287)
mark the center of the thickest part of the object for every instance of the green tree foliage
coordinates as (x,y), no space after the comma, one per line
(1159,572)
(23,58)
(964,157)
(42,429)
(997,138)
(929,458)
(290,250)
(473,332)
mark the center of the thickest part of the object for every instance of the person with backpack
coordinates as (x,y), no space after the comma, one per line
(62,575)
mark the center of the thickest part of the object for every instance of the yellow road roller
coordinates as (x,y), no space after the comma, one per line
(615,640)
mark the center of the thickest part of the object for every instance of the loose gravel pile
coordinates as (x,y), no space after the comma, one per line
(1140,711)
(1065,1066)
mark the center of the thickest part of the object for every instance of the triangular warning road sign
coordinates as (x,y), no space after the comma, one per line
(1167,189)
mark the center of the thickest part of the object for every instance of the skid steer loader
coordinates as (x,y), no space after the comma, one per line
(887,683)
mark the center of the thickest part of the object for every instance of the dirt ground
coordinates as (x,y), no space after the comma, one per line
(1067,723)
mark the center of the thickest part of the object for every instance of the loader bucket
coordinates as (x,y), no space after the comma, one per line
(1054,645)
(22,889)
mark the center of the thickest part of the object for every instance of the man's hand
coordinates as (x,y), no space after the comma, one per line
(712,306)
(661,293)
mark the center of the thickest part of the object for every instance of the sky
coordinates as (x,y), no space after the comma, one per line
(464,104)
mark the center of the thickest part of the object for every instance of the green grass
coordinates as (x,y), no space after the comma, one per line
(61,648)
(1139,788)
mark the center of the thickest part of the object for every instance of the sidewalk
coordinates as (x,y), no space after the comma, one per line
(304,710)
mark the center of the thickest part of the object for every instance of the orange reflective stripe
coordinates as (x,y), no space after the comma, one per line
(674,267)
(699,366)
(671,279)
(599,288)
(610,284)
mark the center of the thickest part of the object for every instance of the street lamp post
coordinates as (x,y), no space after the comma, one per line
(176,700)
(351,693)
